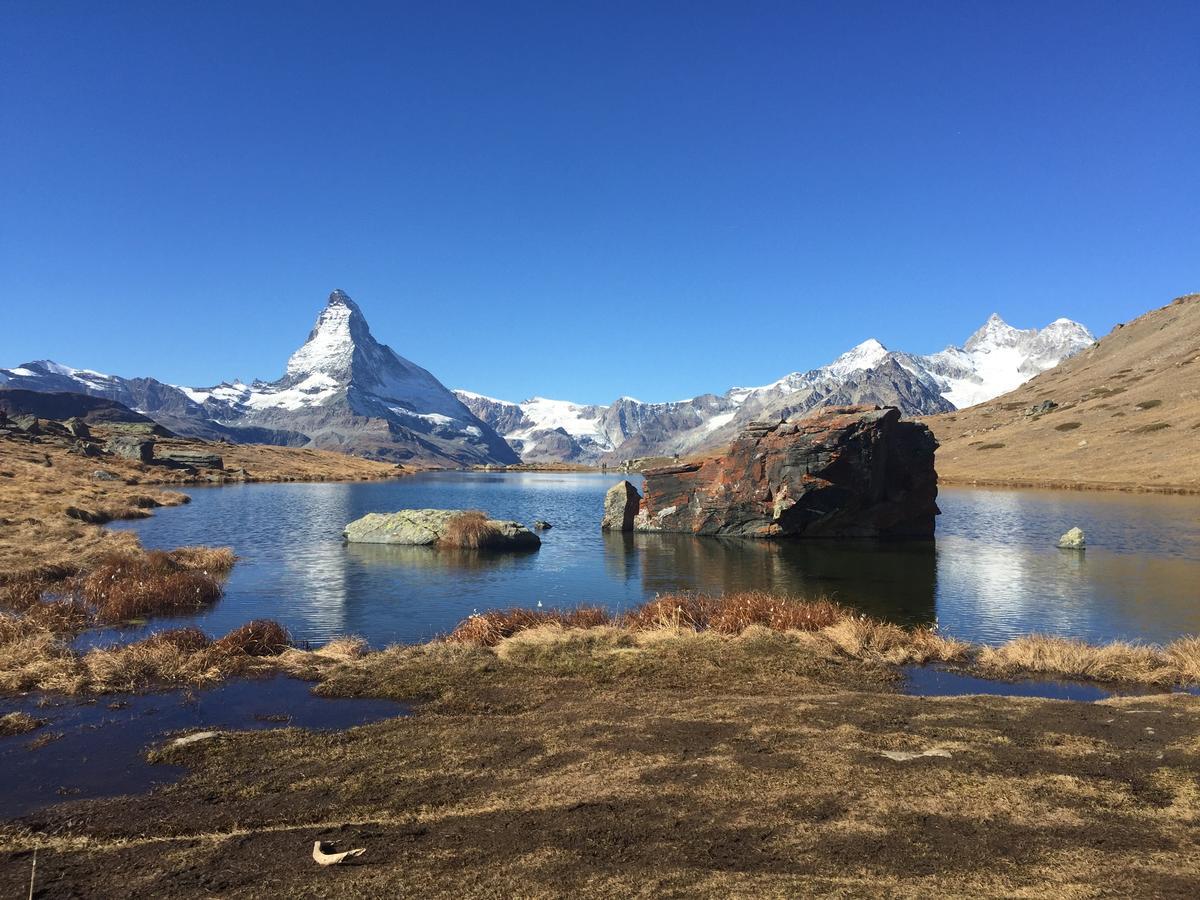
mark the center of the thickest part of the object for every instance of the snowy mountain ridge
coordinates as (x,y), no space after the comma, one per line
(994,360)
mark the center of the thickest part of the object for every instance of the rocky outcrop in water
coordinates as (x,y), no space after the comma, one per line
(854,471)
(432,527)
(621,505)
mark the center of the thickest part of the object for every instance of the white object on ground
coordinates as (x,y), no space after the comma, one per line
(332,859)
(907,755)
(193,738)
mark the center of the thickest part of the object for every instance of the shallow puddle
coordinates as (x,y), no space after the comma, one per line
(96,747)
(928,681)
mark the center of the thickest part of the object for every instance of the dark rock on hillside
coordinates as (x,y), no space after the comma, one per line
(67,406)
(126,446)
(196,459)
(844,472)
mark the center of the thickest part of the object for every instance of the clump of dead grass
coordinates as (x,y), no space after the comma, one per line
(261,637)
(19,723)
(487,629)
(470,530)
(867,639)
(124,586)
(1116,661)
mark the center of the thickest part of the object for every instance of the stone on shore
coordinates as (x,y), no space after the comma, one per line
(621,505)
(428,527)
(1072,540)
(134,447)
(195,459)
(857,471)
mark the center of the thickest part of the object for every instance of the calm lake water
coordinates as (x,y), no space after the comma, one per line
(993,572)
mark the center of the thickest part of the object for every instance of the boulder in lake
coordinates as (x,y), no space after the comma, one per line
(542,525)
(437,527)
(1072,540)
(621,505)
(857,471)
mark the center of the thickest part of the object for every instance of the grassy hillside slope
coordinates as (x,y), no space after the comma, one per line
(1127,416)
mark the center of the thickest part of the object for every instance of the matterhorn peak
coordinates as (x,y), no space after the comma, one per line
(340,328)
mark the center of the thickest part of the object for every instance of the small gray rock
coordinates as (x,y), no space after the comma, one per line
(542,525)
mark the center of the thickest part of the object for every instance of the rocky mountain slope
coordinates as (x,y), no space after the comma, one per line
(1122,414)
(342,390)
(994,359)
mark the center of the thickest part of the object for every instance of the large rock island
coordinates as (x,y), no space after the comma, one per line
(856,471)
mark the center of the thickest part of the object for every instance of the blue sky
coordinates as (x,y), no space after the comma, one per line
(586,200)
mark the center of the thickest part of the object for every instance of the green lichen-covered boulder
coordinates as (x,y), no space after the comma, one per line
(441,527)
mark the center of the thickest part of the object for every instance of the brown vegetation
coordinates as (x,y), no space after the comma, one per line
(469,530)
(1094,437)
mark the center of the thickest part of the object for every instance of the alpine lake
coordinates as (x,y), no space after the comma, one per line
(992,572)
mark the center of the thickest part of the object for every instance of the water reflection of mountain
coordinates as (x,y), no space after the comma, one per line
(895,581)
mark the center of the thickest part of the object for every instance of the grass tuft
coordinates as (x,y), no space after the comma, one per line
(262,637)
(470,530)
(124,586)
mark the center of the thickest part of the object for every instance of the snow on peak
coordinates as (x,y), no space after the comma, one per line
(866,355)
(330,345)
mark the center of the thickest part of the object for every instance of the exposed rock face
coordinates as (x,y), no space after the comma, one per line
(621,505)
(139,449)
(427,527)
(845,472)
(197,459)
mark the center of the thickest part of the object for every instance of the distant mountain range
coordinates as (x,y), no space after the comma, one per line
(994,360)
(343,390)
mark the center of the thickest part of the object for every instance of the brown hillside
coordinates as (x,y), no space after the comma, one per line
(1128,416)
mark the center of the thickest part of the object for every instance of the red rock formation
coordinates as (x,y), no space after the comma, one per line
(856,471)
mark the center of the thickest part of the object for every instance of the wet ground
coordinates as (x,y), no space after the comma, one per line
(95,747)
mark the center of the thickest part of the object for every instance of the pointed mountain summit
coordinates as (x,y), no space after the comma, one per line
(342,390)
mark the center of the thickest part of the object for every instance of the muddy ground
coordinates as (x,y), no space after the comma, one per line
(701,768)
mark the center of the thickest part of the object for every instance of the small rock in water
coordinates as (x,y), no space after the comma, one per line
(541,525)
(1072,540)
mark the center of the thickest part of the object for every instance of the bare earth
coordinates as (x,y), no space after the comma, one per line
(1128,416)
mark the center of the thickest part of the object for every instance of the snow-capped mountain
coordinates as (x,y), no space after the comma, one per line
(342,390)
(994,360)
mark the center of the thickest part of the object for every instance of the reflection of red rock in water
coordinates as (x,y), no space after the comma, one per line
(856,471)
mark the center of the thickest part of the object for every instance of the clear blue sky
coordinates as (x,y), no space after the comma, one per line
(586,200)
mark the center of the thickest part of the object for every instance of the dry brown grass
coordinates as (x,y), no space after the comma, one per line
(871,640)
(19,723)
(125,586)
(487,629)
(1149,364)
(470,530)
(1118,661)
(261,637)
